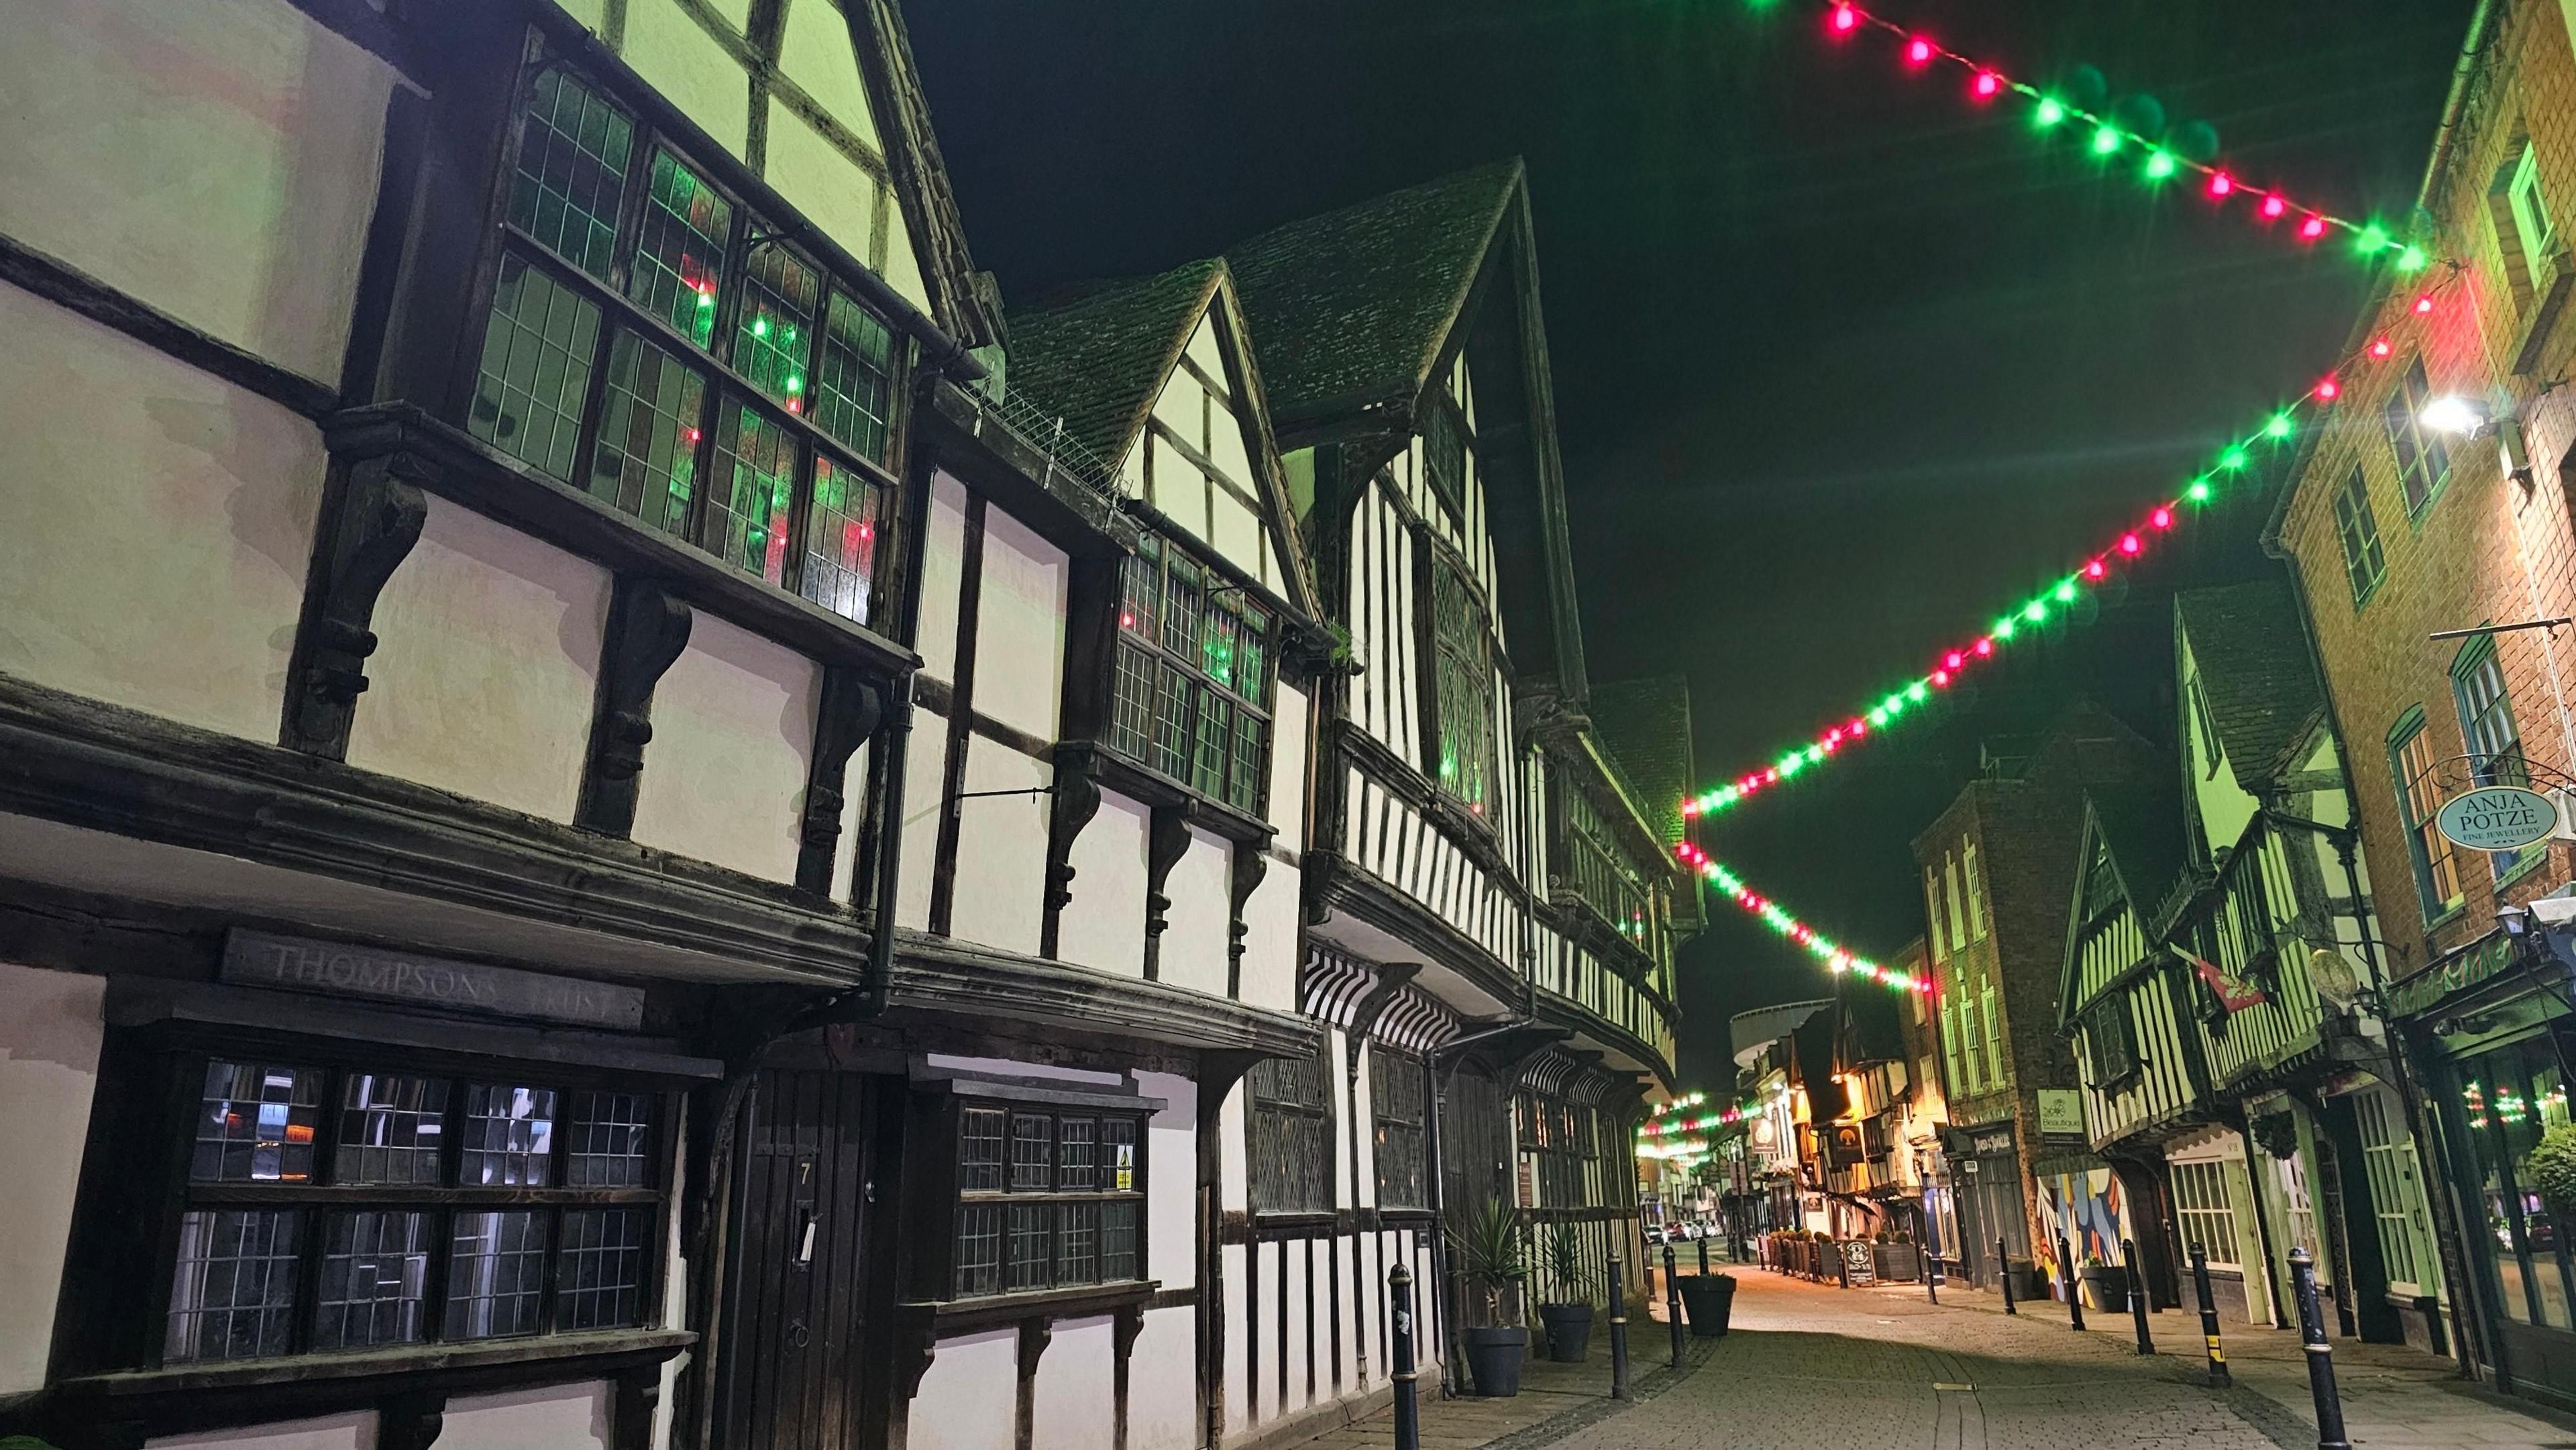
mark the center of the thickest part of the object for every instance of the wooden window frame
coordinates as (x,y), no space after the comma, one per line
(1142,653)
(1269,1117)
(2111,1043)
(1605,878)
(960,1201)
(2365,559)
(729,400)
(155,1194)
(1461,647)
(1385,1065)
(2418,455)
(2435,865)
(1446,412)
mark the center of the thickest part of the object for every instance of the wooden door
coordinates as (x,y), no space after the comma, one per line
(794,1291)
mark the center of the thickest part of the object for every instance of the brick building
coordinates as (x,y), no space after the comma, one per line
(1997,866)
(2424,557)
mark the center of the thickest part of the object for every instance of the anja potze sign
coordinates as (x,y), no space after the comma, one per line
(2498,818)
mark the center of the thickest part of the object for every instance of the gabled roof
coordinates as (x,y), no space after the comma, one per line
(1353,307)
(2138,822)
(2264,700)
(921,187)
(1644,727)
(1098,356)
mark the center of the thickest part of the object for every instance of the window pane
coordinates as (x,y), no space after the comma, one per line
(840,540)
(571,174)
(1181,604)
(1251,761)
(755,485)
(233,1296)
(601,1282)
(509,1137)
(1078,1244)
(536,369)
(1444,457)
(496,1274)
(1172,691)
(979,1249)
(1141,588)
(1118,1241)
(1218,645)
(1215,729)
(1131,720)
(679,254)
(374,1266)
(1077,1155)
(854,378)
(776,328)
(1252,660)
(979,1150)
(647,460)
(1118,1137)
(1032,1263)
(1032,1152)
(608,1141)
(255,1124)
(391,1129)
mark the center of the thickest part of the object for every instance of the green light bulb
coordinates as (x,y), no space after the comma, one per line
(2105,141)
(2232,458)
(2159,166)
(2198,492)
(2373,240)
(2413,259)
(2279,427)
(760,327)
(2035,612)
(2050,112)
(2003,629)
(1917,692)
(2066,592)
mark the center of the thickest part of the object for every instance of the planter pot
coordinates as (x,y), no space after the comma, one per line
(1569,1330)
(1706,1301)
(2106,1289)
(1494,1358)
(1897,1263)
(2029,1281)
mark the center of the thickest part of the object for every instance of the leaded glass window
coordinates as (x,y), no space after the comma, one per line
(1399,1090)
(1464,688)
(1292,1133)
(1047,1198)
(1444,457)
(654,343)
(324,1201)
(1191,678)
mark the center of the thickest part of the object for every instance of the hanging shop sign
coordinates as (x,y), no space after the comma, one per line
(2061,1111)
(2498,818)
(257,958)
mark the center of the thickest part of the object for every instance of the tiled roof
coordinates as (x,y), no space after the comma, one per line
(1349,309)
(2254,668)
(1097,357)
(2141,820)
(1644,726)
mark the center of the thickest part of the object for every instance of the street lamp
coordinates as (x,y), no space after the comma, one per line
(2454,413)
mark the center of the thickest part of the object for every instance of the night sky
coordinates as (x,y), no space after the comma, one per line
(1844,365)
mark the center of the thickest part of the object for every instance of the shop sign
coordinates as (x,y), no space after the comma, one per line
(2498,818)
(2061,1110)
(257,958)
(1861,1263)
(2480,960)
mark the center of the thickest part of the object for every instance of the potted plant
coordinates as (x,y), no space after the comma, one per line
(1569,1322)
(2550,1169)
(1489,1251)
(2106,1286)
(1707,1299)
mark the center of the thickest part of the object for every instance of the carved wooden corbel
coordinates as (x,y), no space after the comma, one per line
(1390,980)
(1076,801)
(377,518)
(1167,839)
(648,626)
(852,707)
(413,1422)
(1250,864)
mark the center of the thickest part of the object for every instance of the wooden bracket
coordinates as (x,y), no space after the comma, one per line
(1250,864)
(376,519)
(1390,980)
(1077,800)
(648,627)
(1167,839)
(852,709)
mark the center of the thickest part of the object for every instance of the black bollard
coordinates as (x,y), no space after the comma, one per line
(1673,1304)
(1618,1331)
(2074,1294)
(2312,1338)
(2003,1276)
(1703,1256)
(2137,1294)
(1842,1266)
(1408,1422)
(2219,1378)
(1932,1277)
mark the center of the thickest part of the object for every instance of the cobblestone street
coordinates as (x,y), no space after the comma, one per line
(1813,1367)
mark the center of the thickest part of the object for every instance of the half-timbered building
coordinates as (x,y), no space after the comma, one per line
(582,869)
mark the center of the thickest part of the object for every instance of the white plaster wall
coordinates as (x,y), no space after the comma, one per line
(1074,1404)
(1288,713)
(155,526)
(49,1039)
(967,1400)
(1195,929)
(1104,925)
(1162,1381)
(815,53)
(1019,628)
(2226,808)
(1238,1405)
(217,160)
(1270,940)
(486,666)
(591,13)
(353,1431)
(676,57)
(733,730)
(820,181)
(1001,850)
(553,1417)
(925,766)
(1171,1164)
(942,555)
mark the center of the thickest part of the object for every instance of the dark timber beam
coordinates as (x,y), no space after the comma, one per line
(648,627)
(375,516)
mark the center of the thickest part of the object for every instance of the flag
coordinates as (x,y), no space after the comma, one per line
(2232,994)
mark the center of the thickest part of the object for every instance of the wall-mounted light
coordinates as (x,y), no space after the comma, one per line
(2454,413)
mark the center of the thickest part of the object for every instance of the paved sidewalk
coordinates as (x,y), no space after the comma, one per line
(1555,1399)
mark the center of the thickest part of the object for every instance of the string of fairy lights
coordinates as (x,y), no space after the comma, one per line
(2107,138)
